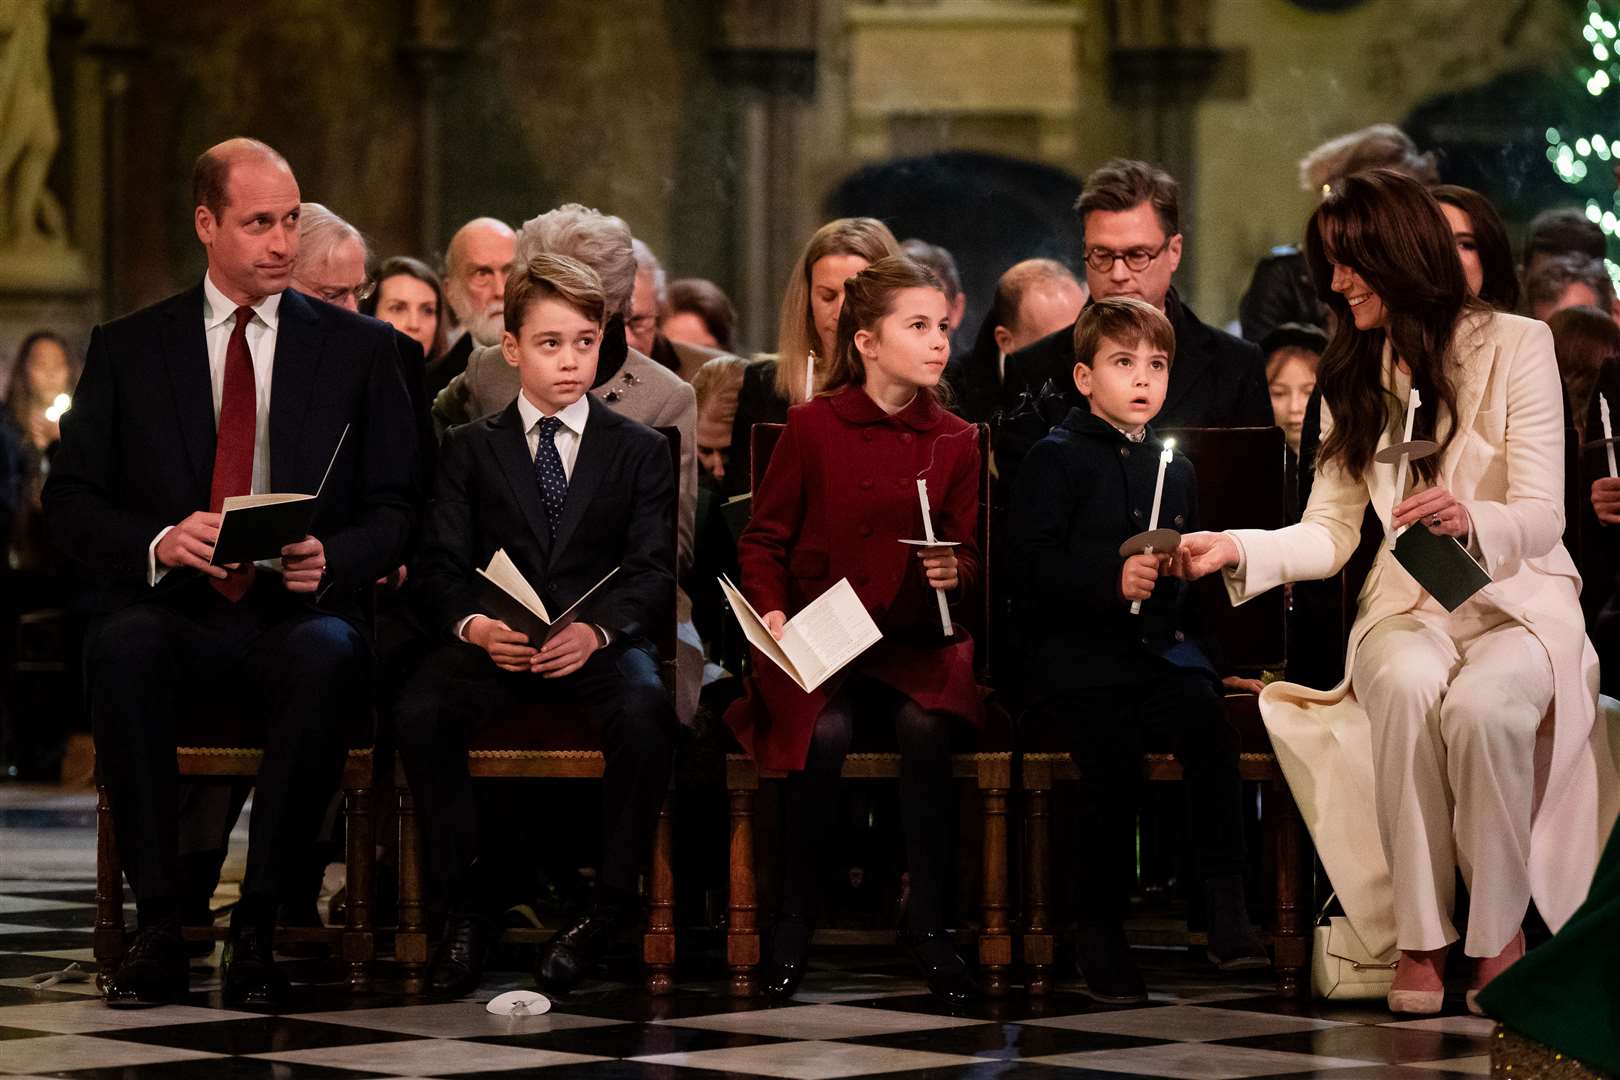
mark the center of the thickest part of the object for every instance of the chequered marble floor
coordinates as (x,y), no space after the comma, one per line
(859,1014)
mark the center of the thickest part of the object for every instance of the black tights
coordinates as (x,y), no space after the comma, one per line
(924,739)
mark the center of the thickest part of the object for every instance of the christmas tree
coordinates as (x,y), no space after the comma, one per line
(1585,151)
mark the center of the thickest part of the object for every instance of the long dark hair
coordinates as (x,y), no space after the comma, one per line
(1389,229)
(19,395)
(1500,289)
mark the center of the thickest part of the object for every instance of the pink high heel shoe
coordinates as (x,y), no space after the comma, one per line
(1420,986)
(1487,968)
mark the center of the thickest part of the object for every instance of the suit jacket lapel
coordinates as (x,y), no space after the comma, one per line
(1191,359)
(511,450)
(185,349)
(590,466)
(292,385)
(1475,357)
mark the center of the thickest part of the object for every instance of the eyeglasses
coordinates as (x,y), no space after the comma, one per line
(1102,260)
(641,324)
(360,292)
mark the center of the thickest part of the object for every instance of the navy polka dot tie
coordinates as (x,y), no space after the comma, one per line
(548,472)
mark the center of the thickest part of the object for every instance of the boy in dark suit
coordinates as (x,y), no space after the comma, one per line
(570,490)
(1108,683)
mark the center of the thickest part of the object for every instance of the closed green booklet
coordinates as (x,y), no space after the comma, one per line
(1441,565)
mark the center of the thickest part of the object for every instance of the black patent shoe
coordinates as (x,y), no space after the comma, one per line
(569,957)
(154,970)
(1105,960)
(790,952)
(458,965)
(248,968)
(937,962)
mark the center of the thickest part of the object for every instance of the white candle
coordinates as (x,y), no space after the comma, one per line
(810,377)
(1608,433)
(928,535)
(1158,497)
(1413,400)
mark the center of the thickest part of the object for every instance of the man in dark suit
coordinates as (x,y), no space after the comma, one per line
(1131,220)
(570,490)
(237,386)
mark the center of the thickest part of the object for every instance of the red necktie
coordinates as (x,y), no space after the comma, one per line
(233,444)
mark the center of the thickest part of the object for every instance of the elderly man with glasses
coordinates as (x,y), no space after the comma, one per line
(1131,222)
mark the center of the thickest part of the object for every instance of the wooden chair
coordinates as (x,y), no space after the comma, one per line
(989,766)
(1240,484)
(226,741)
(555,742)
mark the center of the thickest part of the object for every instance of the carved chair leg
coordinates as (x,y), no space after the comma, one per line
(359,937)
(742,931)
(995,936)
(658,946)
(1037,875)
(410,942)
(1290,941)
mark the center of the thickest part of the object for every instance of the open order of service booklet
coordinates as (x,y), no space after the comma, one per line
(510,598)
(816,643)
(256,527)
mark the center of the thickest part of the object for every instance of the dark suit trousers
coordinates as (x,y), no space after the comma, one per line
(1106,731)
(308,675)
(458,687)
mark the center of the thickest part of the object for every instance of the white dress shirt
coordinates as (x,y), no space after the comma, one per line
(219,319)
(566,439)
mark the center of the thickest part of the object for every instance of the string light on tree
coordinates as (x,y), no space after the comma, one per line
(1578,156)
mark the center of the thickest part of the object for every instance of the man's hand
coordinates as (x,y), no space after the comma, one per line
(509,649)
(567,652)
(1203,553)
(395,579)
(191,543)
(774,622)
(939,563)
(302,565)
(1140,574)
(1239,685)
(1606,500)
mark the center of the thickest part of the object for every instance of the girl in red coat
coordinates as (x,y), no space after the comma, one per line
(839,496)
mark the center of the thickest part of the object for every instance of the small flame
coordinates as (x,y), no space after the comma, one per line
(61,405)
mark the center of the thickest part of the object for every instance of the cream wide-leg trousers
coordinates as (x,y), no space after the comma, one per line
(1454,701)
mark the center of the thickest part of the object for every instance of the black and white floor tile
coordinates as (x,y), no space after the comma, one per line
(860,1014)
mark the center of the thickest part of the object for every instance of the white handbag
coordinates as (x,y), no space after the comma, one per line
(1341,967)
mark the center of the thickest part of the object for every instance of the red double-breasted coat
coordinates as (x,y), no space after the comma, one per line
(839,496)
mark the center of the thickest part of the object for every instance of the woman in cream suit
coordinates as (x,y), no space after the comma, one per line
(1462,740)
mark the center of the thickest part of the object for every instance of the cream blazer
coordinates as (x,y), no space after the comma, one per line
(1506,465)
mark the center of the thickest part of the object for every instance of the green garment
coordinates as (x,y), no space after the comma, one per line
(1566,994)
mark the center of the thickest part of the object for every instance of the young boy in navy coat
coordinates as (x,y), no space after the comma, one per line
(570,490)
(1108,684)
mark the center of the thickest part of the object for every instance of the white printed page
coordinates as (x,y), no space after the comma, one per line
(504,573)
(828,634)
(755,630)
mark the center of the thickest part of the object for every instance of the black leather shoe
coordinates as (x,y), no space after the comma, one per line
(248,967)
(790,950)
(153,971)
(936,960)
(569,956)
(458,965)
(1105,960)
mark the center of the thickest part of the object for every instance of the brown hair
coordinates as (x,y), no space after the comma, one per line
(405,266)
(1122,184)
(706,300)
(1584,338)
(1123,319)
(1500,289)
(212,170)
(868,297)
(20,400)
(1558,272)
(1388,228)
(866,237)
(554,277)
(1379,146)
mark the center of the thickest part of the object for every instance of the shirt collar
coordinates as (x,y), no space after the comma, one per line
(219,308)
(855,406)
(573,417)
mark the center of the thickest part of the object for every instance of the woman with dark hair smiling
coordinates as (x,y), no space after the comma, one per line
(1482,245)
(1435,753)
